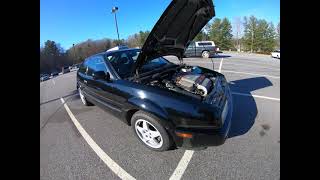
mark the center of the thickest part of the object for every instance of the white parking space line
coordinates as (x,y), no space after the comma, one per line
(220,65)
(103,156)
(254,74)
(182,166)
(54,83)
(257,96)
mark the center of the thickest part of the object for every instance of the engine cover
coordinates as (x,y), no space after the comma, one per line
(192,82)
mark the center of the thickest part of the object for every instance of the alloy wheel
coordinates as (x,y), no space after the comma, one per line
(205,54)
(148,133)
(83,99)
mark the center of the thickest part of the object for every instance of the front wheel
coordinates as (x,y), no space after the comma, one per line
(84,99)
(150,132)
(205,54)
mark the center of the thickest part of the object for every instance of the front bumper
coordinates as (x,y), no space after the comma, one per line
(205,137)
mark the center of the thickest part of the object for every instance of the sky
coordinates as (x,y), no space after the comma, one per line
(70,22)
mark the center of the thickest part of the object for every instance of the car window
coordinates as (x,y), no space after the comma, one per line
(83,66)
(89,65)
(191,45)
(99,64)
(154,64)
(205,43)
(123,61)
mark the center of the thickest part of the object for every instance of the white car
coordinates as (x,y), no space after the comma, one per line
(276,54)
(118,48)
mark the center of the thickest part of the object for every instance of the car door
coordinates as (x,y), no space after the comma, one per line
(85,79)
(105,90)
(199,48)
(191,50)
(82,76)
(202,46)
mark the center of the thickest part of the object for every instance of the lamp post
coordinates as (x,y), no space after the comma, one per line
(74,53)
(114,10)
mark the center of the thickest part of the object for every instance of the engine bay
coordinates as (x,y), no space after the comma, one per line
(188,80)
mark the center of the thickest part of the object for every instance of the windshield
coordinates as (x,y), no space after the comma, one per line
(123,62)
(154,64)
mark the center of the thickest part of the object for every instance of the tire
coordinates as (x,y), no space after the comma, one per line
(84,99)
(205,54)
(154,137)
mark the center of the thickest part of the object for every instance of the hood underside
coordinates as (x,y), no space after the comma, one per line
(178,25)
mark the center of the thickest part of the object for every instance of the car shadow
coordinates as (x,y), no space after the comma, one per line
(244,106)
(221,56)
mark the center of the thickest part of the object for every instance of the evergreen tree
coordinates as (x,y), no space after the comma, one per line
(226,34)
(250,27)
(221,33)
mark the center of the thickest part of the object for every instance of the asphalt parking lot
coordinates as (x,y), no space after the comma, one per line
(102,147)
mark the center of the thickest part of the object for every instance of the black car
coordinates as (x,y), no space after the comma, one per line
(167,105)
(53,74)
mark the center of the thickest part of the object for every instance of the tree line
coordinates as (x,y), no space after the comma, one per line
(248,34)
(53,57)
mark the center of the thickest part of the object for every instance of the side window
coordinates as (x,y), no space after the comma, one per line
(99,64)
(205,44)
(83,66)
(90,66)
(191,45)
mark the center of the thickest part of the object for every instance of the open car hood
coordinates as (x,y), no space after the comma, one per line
(178,25)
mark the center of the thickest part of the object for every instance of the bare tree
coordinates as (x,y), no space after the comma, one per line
(238,31)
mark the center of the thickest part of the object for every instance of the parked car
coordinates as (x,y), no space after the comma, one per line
(54,74)
(72,67)
(276,54)
(167,105)
(205,49)
(44,77)
(65,69)
(118,48)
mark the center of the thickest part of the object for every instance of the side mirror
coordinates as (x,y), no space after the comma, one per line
(101,75)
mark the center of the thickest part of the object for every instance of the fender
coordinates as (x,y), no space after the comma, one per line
(152,108)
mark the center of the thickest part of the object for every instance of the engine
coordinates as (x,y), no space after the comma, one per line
(191,82)
(186,79)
